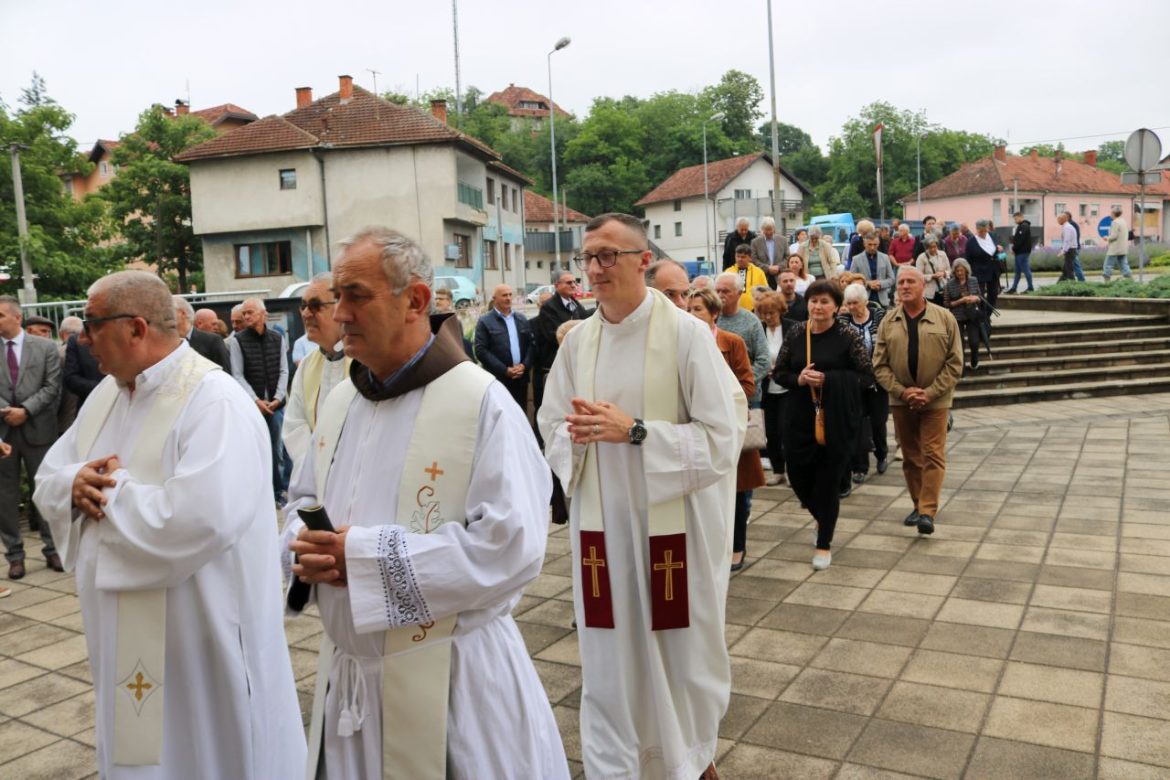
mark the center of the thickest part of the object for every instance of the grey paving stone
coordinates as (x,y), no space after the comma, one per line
(807,730)
(996,759)
(919,750)
(1054,650)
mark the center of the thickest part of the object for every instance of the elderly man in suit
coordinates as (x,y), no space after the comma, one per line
(206,344)
(877,268)
(30,388)
(561,307)
(768,250)
(504,344)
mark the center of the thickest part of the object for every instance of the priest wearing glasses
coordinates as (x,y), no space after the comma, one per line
(643,424)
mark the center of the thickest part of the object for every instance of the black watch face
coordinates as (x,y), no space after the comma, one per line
(637,433)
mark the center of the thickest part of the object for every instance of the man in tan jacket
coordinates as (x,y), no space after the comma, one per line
(918,359)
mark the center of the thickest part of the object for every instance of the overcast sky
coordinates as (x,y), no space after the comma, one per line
(1010,68)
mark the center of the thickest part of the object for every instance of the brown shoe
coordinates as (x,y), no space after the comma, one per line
(16,570)
(54,562)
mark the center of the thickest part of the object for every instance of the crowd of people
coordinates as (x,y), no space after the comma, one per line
(413,471)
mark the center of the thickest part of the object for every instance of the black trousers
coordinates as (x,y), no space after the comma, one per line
(1068,270)
(875,405)
(743,507)
(969,332)
(773,423)
(816,483)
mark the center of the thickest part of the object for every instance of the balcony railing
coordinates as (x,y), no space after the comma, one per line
(471,196)
(542,241)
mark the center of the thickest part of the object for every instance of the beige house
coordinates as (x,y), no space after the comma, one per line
(688,228)
(540,255)
(270,200)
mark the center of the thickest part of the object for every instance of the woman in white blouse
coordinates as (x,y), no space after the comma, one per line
(771,309)
(935,266)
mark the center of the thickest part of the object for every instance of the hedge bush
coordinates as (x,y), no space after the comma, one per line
(1093,258)
(1159,287)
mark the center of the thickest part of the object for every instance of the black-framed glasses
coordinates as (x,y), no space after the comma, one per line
(606,258)
(89,322)
(315,305)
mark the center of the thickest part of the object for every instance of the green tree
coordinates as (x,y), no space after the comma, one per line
(738,95)
(151,196)
(65,236)
(603,163)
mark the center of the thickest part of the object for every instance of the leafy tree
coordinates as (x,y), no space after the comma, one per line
(65,236)
(151,195)
(738,95)
(790,138)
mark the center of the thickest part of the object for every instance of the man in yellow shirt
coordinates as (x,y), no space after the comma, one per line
(751,275)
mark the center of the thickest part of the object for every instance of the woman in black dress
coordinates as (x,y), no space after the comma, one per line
(831,380)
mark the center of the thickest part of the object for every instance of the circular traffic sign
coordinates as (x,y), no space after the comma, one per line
(1103,226)
(1142,149)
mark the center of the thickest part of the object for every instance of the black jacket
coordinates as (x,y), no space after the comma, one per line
(493,349)
(983,265)
(544,329)
(1022,238)
(731,242)
(211,347)
(81,373)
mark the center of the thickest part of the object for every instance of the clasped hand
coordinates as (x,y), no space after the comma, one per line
(598,421)
(14,416)
(915,398)
(91,480)
(810,377)
(320,556)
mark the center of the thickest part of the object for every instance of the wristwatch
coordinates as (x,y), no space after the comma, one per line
(637,432)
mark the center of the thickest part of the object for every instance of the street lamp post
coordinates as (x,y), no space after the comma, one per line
(28,281)
(706,190)
(552,135)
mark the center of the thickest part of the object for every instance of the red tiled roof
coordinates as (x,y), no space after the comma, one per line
(515,174)
(363,120)
(688,182)
(216,114)
(102,144)
(538,208)
(511,98)
(1033,175)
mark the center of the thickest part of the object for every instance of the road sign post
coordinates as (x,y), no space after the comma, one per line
(1142,150)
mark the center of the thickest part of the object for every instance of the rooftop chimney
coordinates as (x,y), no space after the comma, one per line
(304,96)
(1001,153)
(1090,158)
(439,110)
(181,108)
(346,88)
(1059,158)
(1035,154)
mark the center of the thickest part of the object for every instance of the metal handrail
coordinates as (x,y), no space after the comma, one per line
(59,310)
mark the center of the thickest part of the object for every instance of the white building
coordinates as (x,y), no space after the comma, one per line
(686,228)
(270,200)
(540,251)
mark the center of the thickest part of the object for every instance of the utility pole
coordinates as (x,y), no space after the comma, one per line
(776,204)
(375,74)
(26,274)
(552,140)
(458,93)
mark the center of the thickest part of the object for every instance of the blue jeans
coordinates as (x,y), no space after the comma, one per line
(1080,274)
(280,474)
(1122,260)
(1023,266)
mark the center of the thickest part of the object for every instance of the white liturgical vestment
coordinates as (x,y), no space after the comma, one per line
(652,700)
(499,721)
(206,537)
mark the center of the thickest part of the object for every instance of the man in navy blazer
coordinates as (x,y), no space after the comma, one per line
(503,344)
(30,387)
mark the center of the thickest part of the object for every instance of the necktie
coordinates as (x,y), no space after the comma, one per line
(13,365)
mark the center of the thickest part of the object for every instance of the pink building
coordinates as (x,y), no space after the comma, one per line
(1042,187)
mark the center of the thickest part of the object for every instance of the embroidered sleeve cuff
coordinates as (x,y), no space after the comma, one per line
(384,590)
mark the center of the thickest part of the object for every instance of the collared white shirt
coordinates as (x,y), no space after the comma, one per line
(569,303)
(17,344)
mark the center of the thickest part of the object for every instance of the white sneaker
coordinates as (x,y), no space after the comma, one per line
(821,561)
(774,480)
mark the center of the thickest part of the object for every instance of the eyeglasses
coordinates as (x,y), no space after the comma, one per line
(89,322)
(606,258)
(315,305)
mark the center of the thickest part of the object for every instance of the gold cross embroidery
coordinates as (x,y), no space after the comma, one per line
(593,562)
(434,470)
(139,685)
(668,565)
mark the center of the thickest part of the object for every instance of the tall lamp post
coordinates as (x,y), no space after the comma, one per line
(552,135)
(706,190)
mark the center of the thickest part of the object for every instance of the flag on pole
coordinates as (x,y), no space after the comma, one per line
(877,150)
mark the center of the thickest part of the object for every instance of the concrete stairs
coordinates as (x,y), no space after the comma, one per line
(1040,361)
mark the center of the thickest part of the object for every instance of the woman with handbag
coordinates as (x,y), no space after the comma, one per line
(824,364)
(935,266)
(962,298)
(705,305)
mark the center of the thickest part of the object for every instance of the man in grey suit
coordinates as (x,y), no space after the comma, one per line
(206,344)
(877,269)
(30,387)
(769,250)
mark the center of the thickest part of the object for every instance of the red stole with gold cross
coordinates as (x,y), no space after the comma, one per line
(667,544)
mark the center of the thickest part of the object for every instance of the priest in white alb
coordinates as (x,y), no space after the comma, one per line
(160,497)
(321,370)
(438,499)
(643,423)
